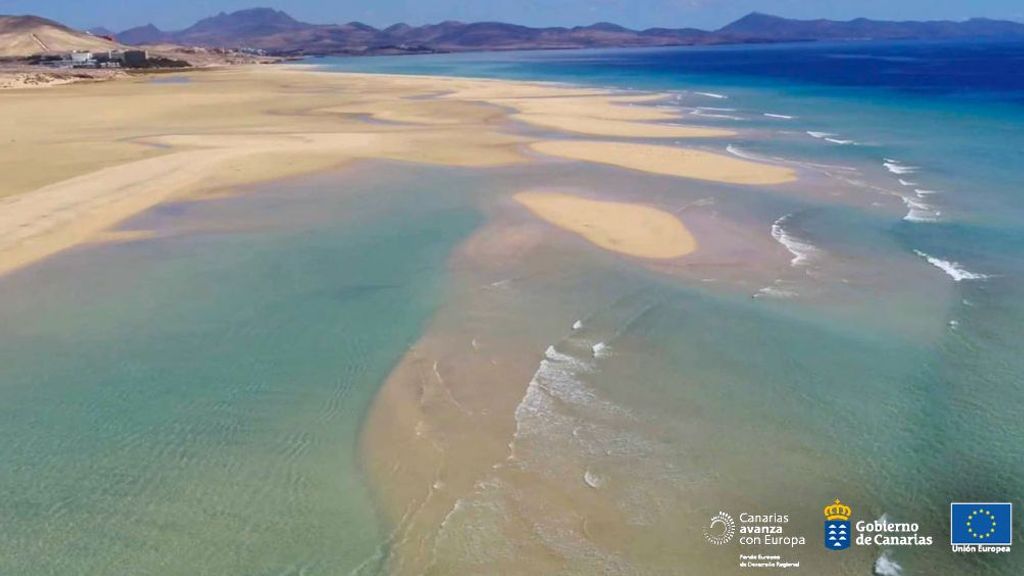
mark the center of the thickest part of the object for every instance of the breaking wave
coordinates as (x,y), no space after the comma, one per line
(801,250)
(886,566)
(897,167)
(952,269)
(918,211)
(739,152)
(773,292)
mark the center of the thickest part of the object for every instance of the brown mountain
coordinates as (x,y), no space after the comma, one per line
(279,33)
(23,36)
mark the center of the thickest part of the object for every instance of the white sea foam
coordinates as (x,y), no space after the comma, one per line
(703,114)
(600,350)
(592,480)
(922,193)
(820,135)
(906,182)
(886,566)
(779,116)
(713,95)
(802,251)
(774,292)
(840,142)
(577,325)
(896,167)
(953,269)
(739,152)
(715,109)
(918,211)
(555,378)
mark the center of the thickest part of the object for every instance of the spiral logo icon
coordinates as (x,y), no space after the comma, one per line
(720,530)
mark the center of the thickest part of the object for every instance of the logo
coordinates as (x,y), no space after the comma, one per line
(980,526)
(721,529)
(837,526)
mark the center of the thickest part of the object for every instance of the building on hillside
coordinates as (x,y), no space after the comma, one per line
(82,59)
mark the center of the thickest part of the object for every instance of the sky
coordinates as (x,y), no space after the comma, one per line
(708,14)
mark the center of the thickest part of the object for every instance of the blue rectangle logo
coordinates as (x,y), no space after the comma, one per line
(976,523)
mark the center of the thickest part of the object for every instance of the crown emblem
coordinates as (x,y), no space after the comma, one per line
(837,511)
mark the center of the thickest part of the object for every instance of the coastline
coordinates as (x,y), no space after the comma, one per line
(432,433)
(71,177)
(388,324)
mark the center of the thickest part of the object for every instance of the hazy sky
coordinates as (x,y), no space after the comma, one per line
(176,14)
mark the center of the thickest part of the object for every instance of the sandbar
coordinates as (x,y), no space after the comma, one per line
(619,128)
(668,160)
(623,227)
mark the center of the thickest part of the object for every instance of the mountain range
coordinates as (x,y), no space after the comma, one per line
(278,33)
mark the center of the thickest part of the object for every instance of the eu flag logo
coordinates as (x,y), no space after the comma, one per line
(989,523)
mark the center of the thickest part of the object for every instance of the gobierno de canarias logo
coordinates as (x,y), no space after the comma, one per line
(837,525)
(720,530)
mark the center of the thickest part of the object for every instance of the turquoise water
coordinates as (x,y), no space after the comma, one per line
(190,404)
(889,373)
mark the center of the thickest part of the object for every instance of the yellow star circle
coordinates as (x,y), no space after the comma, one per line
(991,520)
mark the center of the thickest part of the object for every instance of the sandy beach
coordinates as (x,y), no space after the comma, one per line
(70,178)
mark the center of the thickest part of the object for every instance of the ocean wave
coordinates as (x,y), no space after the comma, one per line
(820,135)
(897,167)
(840,142)
(918,211)
(698,112)
(600,350)
(906,182)
(952,269)
(715,109)
(802,251)
(556,379)
(922,193)
(713,95)
(774,292)
(739,152)
(886,566)
(779,116)
(577,325)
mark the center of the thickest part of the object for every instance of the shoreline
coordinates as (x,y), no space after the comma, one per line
(234,126)
(432,434)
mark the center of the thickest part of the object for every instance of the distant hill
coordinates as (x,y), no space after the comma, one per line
(757,26)
(278,33)
(22,36)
